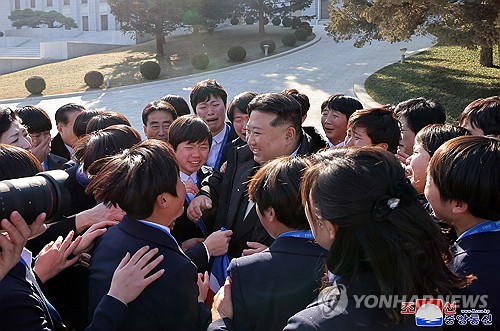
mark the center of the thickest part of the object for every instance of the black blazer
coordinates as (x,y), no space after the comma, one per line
(229,196)
(270,287)
(171,302)
(80,201)
(58,148)
(232,135)
(55,162)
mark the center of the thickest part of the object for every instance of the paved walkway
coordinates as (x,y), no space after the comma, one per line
(318,71)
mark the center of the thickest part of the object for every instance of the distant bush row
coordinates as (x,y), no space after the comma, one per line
(151,70)
(293,22)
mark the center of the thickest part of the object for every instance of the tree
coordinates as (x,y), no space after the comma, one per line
(470,23)
(35,18)
(208,13)
(156,17)
(274,8)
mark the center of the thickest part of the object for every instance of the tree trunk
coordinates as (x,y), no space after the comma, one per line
(486,56)
(262,31)
(498,46)
(160,40)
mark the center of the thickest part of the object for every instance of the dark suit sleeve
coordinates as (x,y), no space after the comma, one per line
(198,254)
(241,321)
(21,311)
(221,325)
(300,323)
(109,314)
(211,185)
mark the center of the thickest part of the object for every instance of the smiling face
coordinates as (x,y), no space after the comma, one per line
(265,141)
(17,136)
(357,136)
(213,112)
(240,121)
(157,125)
(416,167)
(191,156)
(334,124)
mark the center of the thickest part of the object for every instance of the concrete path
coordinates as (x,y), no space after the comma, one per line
(318,71)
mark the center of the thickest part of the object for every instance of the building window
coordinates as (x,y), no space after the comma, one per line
(66,2)
(85,23)
(49,3)
(104,22)
(17,4)
(33,3)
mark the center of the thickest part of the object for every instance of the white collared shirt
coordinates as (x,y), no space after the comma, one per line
(331,145)
(193,178)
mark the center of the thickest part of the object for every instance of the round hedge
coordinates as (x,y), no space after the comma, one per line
(93,79)
(295,22)
(276,21)
(301,34)
(235,21)
(287,22)
(249,20)
(35,84)
(200,61)
(289,39)
(266,20)
(271,43)
(150,70)
(307,27)
(237,53)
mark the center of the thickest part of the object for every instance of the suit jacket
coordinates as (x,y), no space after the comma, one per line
(58,148)
(229,196)
(55,162)
(80,201)
(232,135)
(479,254)
(171,302)
(269,287)
(22,307)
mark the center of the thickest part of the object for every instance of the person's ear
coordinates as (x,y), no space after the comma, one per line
(59,127)
(269,215)
(384,146)
(144,128)
(290,134)
(162,200)
(331,229)
(459,207)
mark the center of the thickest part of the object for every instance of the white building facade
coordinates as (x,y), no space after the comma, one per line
(89,15)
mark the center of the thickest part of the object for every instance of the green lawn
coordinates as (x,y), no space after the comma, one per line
(449,74)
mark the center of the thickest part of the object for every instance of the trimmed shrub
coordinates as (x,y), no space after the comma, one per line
(301,34)
(266,20)
(271,43)
(289,39)
(235,20)
(249,20)
(287,22)
(93,79)
(295,22)
(276,21)
(200,61)
(237,53)
(150,70)
(35,84)
(307,27)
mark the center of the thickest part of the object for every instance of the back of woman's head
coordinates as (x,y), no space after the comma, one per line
(381,225)
(7,116)
(134,178)
(81,121)
(105,119)
(16,162)
(109,141)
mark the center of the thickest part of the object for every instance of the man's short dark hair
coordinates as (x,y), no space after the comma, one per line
(189,128)
(158,105)
(286,108)
(7,116)
(483,114)
(81,121)
(179,103)
(431,137)
(277,185)
(301,98)
(420,112)
(34,118)
(466,169)
(136,177)
(105,119)
(202,91)
(240,102)
(380,124)
(63,111)
(343,104)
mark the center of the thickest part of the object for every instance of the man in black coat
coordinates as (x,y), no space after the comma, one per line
(273,130)
(62,143)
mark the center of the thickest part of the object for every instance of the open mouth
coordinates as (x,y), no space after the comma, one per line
(212,120)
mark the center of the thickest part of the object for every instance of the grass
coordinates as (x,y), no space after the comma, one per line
(449,74)
(122,64)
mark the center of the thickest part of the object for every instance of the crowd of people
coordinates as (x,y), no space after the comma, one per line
(389,201)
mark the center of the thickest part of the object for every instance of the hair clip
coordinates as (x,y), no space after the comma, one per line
(393,203)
